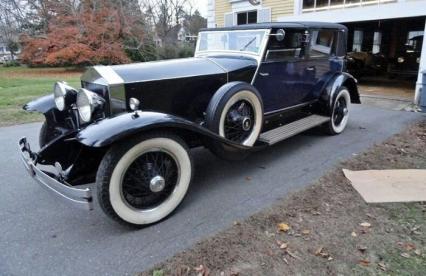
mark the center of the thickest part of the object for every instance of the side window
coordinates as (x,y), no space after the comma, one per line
(291,48)
(322,43)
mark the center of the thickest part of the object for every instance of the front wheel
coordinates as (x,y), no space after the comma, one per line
(141,181)
(339,113)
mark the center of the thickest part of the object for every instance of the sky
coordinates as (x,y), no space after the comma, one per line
(201,6)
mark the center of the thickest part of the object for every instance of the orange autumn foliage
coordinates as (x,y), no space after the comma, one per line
(91,33)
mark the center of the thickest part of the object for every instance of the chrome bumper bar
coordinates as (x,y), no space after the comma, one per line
(81,198)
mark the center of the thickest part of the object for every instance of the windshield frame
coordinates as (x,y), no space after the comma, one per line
(258,55)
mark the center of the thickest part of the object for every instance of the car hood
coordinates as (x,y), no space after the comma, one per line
(166,69)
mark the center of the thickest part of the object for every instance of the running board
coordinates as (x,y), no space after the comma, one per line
(286,131)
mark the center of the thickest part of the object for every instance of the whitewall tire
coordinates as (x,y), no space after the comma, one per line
(142,181)
(236,113)
(340,112)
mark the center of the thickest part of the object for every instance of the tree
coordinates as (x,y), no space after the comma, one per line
(82,32)
(194,22)
(166,16)
(9,26)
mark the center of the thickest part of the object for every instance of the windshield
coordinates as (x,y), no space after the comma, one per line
(234,41)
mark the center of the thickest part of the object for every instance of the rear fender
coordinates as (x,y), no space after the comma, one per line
(111,130)
(332,86)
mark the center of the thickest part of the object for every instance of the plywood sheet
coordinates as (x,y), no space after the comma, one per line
(377,186)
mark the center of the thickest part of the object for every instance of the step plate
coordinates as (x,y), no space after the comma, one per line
(278,134)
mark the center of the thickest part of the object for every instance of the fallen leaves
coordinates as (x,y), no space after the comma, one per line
(283,227)
(364,262)
(306,232)
(382,266)
(353,234)
(202,270)
(365,224)
(405,255)
(323,253)
(362,248)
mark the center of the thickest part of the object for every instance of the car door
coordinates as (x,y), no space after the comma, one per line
(284,77)
(324,57)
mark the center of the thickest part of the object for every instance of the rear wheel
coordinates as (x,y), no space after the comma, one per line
(340,112)
(236,113)
(143,180)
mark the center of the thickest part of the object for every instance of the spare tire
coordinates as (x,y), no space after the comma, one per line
(235,112)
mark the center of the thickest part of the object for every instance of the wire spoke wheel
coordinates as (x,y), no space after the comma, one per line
(150,180)
(239,120)
(142,180)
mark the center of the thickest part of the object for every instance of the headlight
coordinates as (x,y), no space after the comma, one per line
(87,103)
(64,95)
(401,60)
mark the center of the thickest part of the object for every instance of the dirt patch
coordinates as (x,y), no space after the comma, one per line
(400,89)
(326,229)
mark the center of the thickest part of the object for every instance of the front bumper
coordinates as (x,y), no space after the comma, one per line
(81,198)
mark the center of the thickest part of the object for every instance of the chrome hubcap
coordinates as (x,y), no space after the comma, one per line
(246,123)
(345,111)
(157,184)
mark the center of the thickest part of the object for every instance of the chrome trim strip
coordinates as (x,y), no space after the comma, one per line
(290,107)
(81,198)
(111,77)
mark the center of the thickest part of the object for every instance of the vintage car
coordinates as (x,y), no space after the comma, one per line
(408,60)
(361,64)
(130,128)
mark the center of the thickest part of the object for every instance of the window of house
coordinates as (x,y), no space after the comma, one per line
(308,4)
(249,17)
(322,43)
(377,41)
(290,48)
(357,43)
(321,4)
(1,49)
(336,2)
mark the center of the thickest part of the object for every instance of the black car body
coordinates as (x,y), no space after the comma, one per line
(247,87)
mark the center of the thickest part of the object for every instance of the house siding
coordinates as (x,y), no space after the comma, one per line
(222,7)
(279,7)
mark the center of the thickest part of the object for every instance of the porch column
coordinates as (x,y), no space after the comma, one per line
(422,67)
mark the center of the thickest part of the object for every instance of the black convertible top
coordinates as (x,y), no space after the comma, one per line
(277,25)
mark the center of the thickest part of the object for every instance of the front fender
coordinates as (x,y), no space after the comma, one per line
(333,85)
(43,104)
(110,130)
(46,105)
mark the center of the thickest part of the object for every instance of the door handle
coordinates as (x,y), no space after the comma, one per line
(264,74)
(311,68)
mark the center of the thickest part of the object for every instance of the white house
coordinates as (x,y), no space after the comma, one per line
(380,25)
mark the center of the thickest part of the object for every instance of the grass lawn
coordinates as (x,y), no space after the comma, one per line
(19,85)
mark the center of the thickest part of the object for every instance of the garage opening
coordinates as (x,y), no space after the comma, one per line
(384,55)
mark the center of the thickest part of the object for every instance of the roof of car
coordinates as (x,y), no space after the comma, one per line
(275,25)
